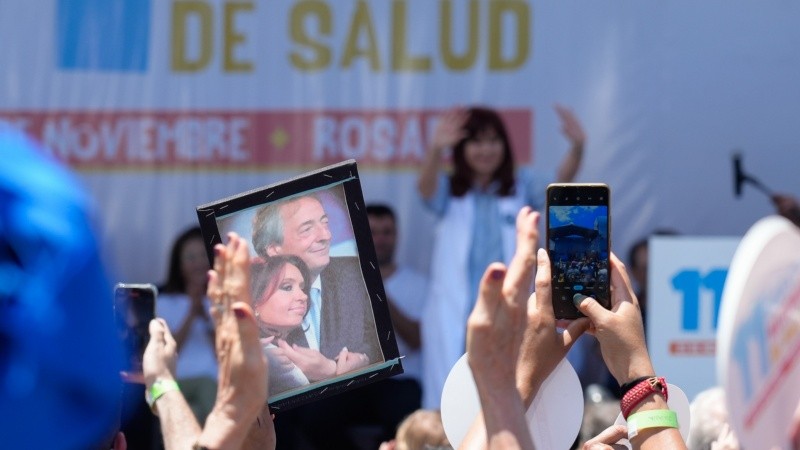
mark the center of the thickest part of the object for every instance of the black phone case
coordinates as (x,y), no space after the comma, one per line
(588,274)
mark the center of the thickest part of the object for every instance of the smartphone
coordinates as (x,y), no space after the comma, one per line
(134,308)
(579,244)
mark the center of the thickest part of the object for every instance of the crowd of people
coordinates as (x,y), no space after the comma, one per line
(513,345)
(231,335)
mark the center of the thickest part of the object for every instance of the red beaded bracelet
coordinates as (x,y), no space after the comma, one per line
(637,394)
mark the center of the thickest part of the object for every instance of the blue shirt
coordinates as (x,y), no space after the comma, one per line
(487,245)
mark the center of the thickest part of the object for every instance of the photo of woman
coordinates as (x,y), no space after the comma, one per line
(280,290)
(318,303)
(280,301)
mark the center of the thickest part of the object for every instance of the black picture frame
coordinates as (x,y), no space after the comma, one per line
(336,185)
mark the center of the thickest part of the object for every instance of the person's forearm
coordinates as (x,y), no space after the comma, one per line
(656,438)
(407,329)
(429,173)
(527,390)
(179,427)
(528,380)
(527,387)
(475,439)
(221,432)
(261,435)
(504,416)
(571,163)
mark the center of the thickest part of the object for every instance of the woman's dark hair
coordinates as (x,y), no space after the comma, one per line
(478,121)
(266,276)
(175,282)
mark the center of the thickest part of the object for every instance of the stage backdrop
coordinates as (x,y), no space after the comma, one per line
(163,105)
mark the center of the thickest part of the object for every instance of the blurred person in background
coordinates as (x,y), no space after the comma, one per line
(710,426)
(788,207)
(183,304)
(475,206)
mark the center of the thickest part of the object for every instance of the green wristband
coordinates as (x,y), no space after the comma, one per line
(654,418)
(159,388)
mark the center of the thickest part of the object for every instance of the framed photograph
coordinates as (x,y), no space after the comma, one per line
(317,291)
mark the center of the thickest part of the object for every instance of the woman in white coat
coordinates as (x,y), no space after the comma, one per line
(476,205)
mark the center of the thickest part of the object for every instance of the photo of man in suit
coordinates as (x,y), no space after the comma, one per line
(338,333)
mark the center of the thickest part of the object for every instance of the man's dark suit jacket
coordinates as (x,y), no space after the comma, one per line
(346,317)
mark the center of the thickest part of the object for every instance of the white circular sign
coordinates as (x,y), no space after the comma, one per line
(554,417)
(758,336)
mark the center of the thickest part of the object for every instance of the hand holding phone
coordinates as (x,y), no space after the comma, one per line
(578,243)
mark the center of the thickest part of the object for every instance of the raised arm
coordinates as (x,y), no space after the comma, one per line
(242,386)
(573,131)
(621,336)
(448,132)
(543,346)
(179,427)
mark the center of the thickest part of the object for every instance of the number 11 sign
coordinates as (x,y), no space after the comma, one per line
(686,277)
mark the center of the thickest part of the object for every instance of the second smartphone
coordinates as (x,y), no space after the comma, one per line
(578,243)
(134,307)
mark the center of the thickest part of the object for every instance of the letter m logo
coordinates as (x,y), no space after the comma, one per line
(108,35)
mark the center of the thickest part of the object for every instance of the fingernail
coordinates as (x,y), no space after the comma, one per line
(217,250)
(240,314)
(496,274)
(577,299)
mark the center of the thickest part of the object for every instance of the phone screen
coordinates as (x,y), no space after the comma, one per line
(134,307)
(578,244)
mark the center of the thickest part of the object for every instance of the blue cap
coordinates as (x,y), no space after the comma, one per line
(59,352)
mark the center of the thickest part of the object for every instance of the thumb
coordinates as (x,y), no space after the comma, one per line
(590,308)
(574,330)
(156,328)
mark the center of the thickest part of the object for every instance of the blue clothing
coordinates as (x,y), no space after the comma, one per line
(472,231)
(486,235)
(60,354)
(487,244)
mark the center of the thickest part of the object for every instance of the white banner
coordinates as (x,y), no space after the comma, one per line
(165,105)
